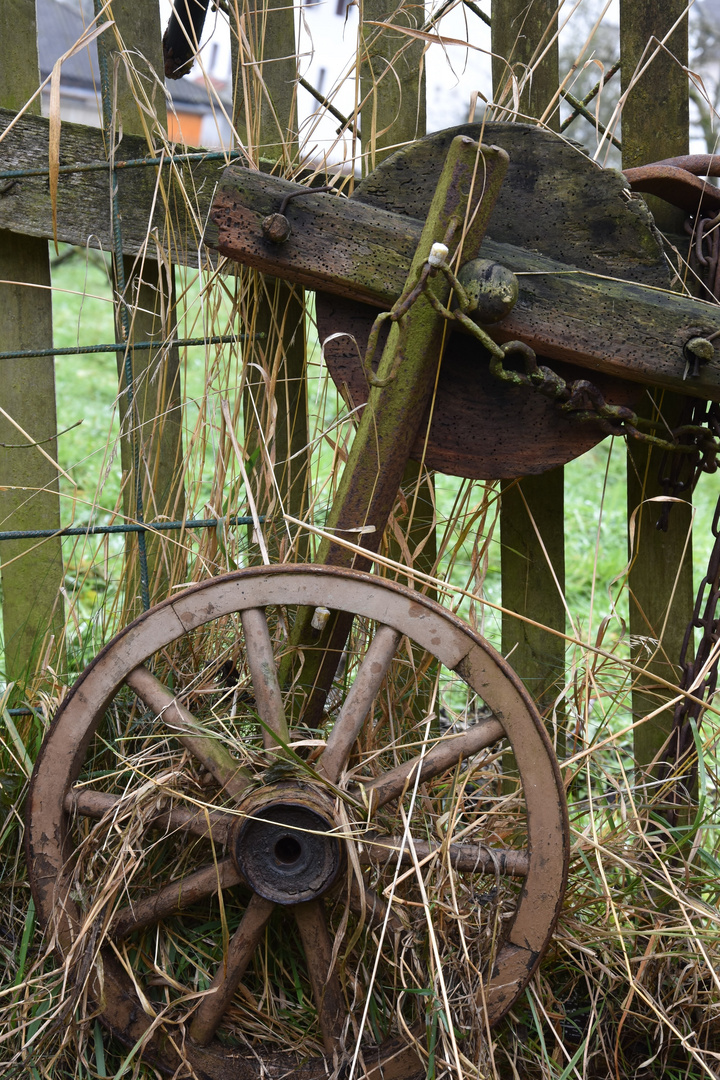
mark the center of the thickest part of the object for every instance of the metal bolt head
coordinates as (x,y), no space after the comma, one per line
(492,289)
(700,348)
(276,228)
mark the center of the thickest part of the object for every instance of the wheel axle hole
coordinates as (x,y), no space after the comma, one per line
(287,850)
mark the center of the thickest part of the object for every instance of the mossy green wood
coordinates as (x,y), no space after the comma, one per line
(150,283)
(392,90)
(532,510)
(264,68)
(390,420)
(655,126)
(32,573)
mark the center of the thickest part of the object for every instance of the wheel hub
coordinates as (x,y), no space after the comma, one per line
(285,846)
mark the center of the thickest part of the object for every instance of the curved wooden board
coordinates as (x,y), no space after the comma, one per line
(554,201)
(480,428)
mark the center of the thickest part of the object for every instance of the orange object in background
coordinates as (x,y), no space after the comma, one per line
(184,127)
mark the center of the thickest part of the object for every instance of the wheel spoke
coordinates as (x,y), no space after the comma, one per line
(174,897)
(444,755)
(229,975)
(324,980)
(376,909)
(358,702)
(206,822)
(208,750)
(466,857)
(268,696)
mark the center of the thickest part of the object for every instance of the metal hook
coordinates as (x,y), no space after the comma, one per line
(276,227)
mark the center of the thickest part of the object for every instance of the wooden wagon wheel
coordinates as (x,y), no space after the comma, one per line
(311,828)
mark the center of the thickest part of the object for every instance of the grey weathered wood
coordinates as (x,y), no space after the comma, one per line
(533,563)
(83,205)
(392,79)
(156,420)
(265,80)
(521,30)
(555,200)
(655,125)
(32,573)
(265,115)
(343,246)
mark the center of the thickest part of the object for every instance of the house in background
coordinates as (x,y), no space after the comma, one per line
(193,118)
(326,42)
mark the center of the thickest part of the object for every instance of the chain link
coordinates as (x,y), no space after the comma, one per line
(581,399)
(692,449)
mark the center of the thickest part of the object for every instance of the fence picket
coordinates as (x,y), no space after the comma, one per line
(654,126)
(149,284)
(275,402)
(532,562)
(32,573)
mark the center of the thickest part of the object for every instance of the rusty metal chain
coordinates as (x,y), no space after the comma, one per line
(580,399)
(694,448)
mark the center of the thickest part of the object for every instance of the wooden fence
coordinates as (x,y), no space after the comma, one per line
(72,206)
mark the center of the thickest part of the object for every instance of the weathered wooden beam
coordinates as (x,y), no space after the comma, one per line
(345,247)
(32,573)
(655,126)
(83,200)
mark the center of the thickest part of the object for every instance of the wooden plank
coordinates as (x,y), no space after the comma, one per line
(32,574)
(275,394)
(623,328)
(393,92)
(393,89)
(83,204)
(655,125)
(156,421)
(532,514)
